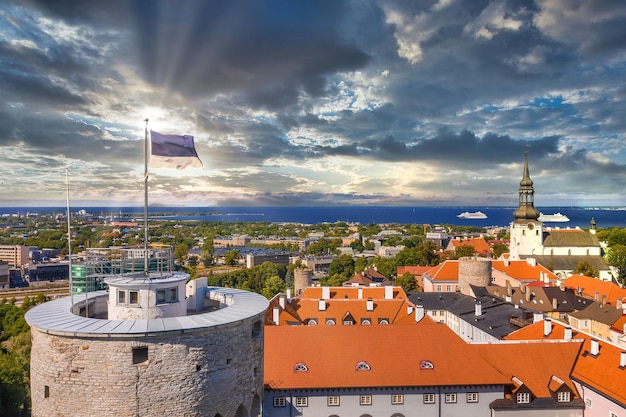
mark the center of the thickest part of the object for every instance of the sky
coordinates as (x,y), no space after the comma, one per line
(314,102)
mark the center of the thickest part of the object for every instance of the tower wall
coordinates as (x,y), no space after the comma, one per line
(302,278)
(192,371)
(474,271)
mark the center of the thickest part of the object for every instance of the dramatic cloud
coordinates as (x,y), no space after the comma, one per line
(314,102)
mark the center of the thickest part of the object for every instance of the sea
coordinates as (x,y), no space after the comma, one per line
(605,217)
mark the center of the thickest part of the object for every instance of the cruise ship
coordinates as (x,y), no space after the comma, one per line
(556,217)
(474,215)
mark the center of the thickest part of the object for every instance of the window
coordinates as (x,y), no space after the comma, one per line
(563,396)
(348,323)
(140,355)
(46,391)
(330,322)
(160,296)
(312,322)
(448,288)
(332,400)
(397,399)
(302,401)
(450,398)
(279,401)
(587,402)
(472,397)
(426,365)
(523,397)
(363,366)
(429,398)
(383,321)
(366,322)
(133,297)
(365,400)
(173,295)
(168,295)
(121,297)
(612,414)
(438,287)
(300,367)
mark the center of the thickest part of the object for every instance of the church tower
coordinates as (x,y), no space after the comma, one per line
(526,231)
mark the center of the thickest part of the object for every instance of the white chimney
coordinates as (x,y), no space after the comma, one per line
(369,304)
(419,313)
(325,293)
(288,294)
(276,316)
(478,309)
(547,327)
(507,298)
(567,333)
(595,347)
(619,304)
(537,317)
(506,262)
(388,292)
(360,293)
(322,305)
(281,301)
(409,309)
(622,359)
(555,304)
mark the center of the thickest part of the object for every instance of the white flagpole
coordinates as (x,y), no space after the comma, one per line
(145,202)
(69,235)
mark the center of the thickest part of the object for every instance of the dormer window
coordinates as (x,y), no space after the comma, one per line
(300,367)
(363,366)
(563,396)
(330,322)
(426,365)
(523,397)
(312,322)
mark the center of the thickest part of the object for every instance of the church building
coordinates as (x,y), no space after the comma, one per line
(558,249)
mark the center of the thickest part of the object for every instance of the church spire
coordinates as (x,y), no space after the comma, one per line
(526,210)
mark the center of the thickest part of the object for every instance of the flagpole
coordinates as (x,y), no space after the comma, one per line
(69,235)
(145,201)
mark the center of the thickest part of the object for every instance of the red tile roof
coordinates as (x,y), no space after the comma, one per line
(446,271)
(590,286)
(396,355)
(522,270)
(602,372)
(480,245)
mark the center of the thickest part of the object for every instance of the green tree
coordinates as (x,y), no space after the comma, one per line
(407,282)
(344,266)
(463,251)
(498,249)
(180,253)
(273,285)
(207,250)
(231,257)
(427,254)
(585,268)
(616,257)
(407,256)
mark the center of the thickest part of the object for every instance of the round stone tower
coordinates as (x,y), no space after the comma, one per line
(302,278)
(474,271)
(155,346)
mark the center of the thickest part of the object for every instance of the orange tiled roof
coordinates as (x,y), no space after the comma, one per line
(414,270)
(533,363)
(446,271)
(522,270)
(332,353)
(368,277)
(602,373)
(590,286)
(479,244)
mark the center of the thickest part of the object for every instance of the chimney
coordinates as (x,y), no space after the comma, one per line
(595,347)
(509,292)
(409,309)
(281,301)
(618,304)
(555,304)
(603,300)
(360,293)
(506,262)
(622,359)
(508,298)
(537,317)
(567,333)
(369,304)
(388,292)
(419,313)
(276,316)
(527,294)
(531,261)
(322,305)
(289,294)
(547,327)
(478,309)
(596,296)
(325,293)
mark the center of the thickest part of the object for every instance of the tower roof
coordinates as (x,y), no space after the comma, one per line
(526,210)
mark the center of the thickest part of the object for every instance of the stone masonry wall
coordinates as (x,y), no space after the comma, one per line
(218,369)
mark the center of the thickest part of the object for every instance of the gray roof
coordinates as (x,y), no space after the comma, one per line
(569,237)
(55,317)
(568,262)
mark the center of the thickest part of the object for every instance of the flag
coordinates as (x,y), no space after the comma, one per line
(173,151)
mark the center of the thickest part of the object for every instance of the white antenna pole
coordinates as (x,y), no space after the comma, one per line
(69,234)
(145,201)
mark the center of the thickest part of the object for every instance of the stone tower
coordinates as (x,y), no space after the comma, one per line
(303,278)
(474,271)
(526,231)
(153,345)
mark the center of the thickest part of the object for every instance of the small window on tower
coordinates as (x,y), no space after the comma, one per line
(140,355)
